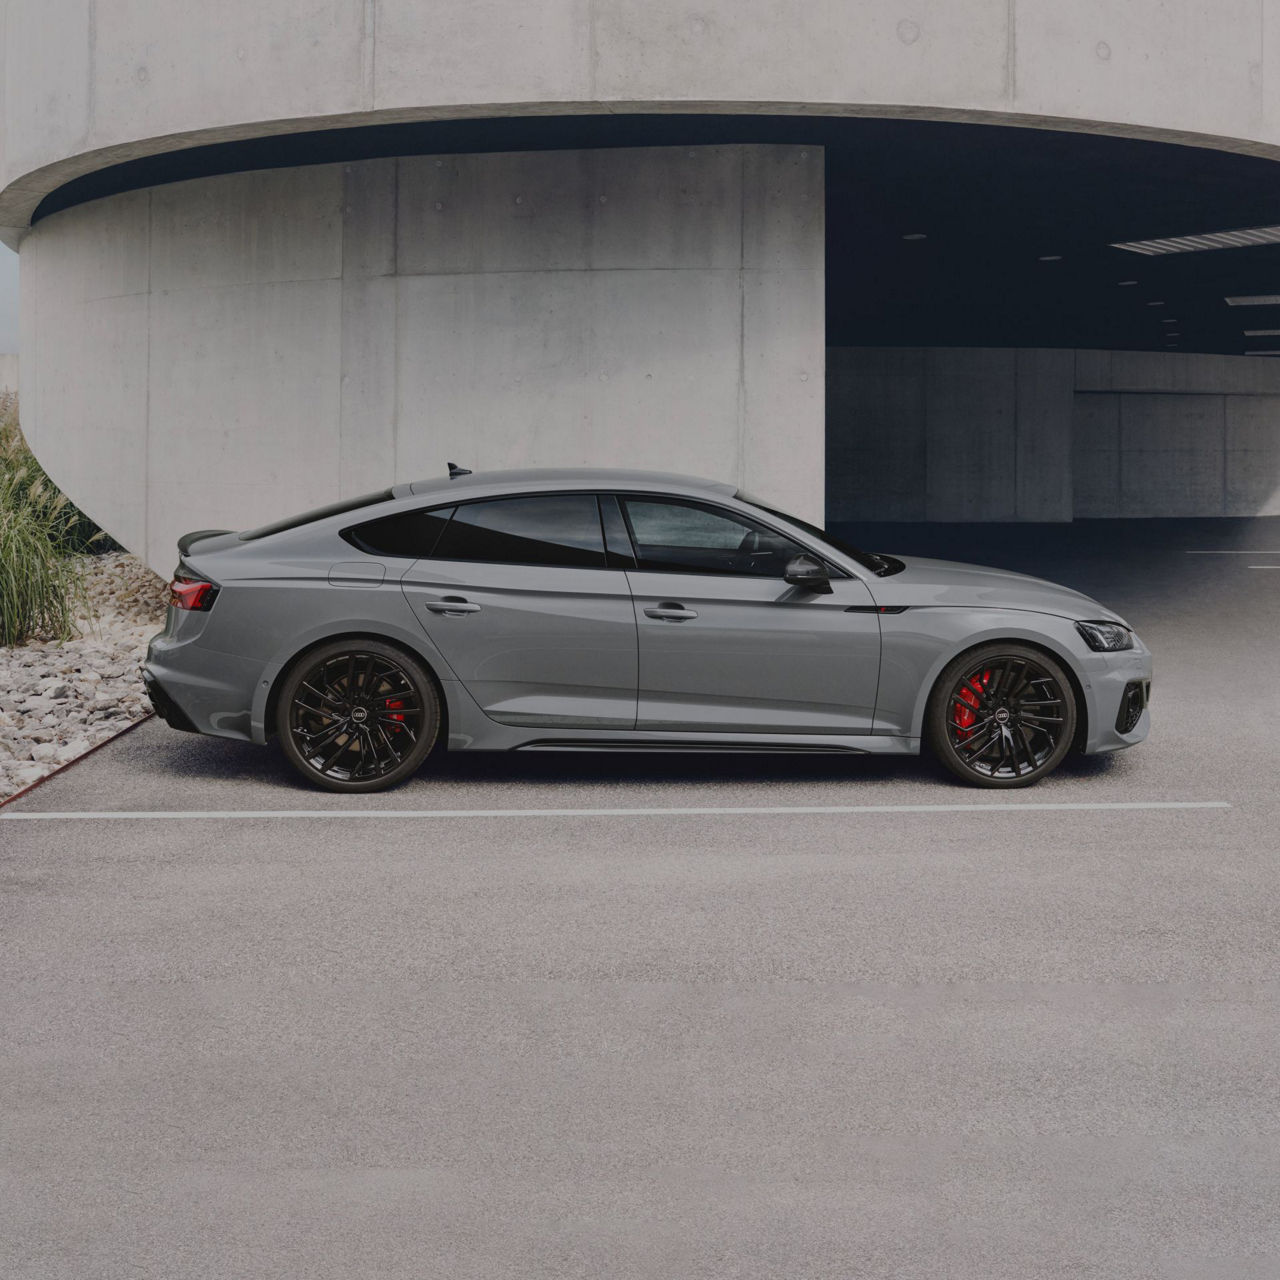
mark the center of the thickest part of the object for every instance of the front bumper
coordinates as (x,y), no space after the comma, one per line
(1115,686)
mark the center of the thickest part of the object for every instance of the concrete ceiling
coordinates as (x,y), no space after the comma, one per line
(994,201)
(991,201)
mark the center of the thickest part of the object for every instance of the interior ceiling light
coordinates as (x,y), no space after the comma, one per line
(1168,322)
(1124,283)
(1051,257)
(1262,333)
(1254,300)
(1155,304)
(1210,240)
(916,235)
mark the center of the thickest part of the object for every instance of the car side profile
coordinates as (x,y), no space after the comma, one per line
(570,610)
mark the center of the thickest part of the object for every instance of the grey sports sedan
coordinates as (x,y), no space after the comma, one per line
(624,611)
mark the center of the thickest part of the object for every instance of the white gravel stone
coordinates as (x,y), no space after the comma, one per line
(24,775)
(57,700)
(70,750)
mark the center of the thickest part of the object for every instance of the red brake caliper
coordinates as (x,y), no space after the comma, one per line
(966,706)
(394,704)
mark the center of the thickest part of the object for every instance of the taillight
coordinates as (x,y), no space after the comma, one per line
(192,594)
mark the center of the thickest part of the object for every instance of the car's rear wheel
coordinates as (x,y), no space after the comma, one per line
(357,715)
(1002,715)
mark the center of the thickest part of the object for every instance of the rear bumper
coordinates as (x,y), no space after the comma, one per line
(200,690)
(165,707)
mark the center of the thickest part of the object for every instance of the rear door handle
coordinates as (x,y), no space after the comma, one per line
(452,606)
(671,613)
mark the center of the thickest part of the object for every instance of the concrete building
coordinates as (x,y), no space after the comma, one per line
(856,254)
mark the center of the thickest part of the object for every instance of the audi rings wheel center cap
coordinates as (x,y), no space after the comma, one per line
(1002,715)
(359,715)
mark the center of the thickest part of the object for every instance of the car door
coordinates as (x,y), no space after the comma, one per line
(726,644)
(516,595)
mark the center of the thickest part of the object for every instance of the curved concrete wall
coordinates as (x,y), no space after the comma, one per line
(229,350)
(88,83)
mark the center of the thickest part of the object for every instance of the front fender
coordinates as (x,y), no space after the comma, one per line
(918,643)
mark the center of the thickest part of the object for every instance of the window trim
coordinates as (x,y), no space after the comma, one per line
(618,495)
(835,570)
(609,553)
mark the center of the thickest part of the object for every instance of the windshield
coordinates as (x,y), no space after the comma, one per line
(867,559)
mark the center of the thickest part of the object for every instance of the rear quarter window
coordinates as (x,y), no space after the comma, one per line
(409,535)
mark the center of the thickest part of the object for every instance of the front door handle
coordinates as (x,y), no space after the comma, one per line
(452,606)
(671,612)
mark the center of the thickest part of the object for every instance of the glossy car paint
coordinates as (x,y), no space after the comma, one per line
(569,658)
(549,646)
(759,657)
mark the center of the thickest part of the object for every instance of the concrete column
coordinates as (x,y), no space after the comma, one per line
(225,351)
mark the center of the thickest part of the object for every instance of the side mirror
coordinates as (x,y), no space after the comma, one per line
(809,573)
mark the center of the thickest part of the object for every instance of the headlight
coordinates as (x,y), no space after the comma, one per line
(1105,637)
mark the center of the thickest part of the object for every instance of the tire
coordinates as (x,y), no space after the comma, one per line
(357,715)
(1002,715)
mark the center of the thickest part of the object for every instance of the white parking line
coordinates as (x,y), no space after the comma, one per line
(204,815)
(1248,551)
(1264,566)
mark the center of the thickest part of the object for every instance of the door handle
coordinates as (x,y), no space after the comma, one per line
(452,606)
(671,613)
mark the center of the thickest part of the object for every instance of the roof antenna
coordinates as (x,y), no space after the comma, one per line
(456,471)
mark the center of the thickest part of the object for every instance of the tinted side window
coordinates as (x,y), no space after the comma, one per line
(673,536)
(551,529)
(411,534)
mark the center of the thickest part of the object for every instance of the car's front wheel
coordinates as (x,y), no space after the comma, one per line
(357,715)
(1002,715)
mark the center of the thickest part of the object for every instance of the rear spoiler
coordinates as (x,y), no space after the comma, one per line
(188,540)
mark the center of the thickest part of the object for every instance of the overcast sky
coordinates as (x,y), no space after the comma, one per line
(8,300)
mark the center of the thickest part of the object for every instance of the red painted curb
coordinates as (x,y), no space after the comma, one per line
(62,768)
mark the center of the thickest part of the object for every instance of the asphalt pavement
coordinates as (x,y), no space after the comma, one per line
(890,1028)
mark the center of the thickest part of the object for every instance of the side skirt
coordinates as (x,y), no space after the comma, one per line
(867,744)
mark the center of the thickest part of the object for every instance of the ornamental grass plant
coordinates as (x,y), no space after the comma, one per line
(42,586)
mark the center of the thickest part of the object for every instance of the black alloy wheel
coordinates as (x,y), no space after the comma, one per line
(1003,715)
(357,715)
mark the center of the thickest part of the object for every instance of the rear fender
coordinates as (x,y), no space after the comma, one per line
(416,642)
